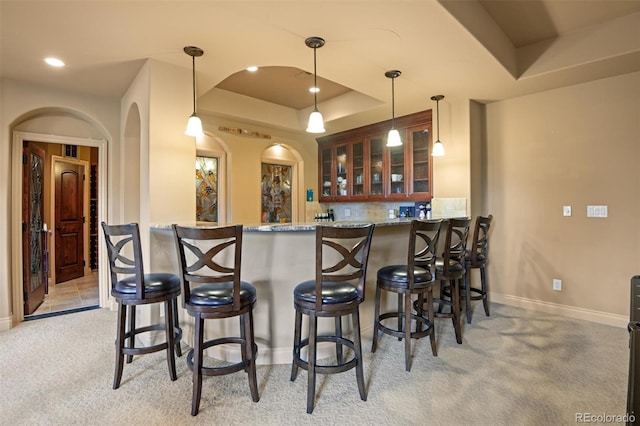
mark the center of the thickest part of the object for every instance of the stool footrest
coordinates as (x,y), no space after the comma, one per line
(480,294)
(326,369)
(400,333)
(128,350)
(226,369)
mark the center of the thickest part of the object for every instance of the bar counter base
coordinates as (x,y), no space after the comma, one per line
(275,262)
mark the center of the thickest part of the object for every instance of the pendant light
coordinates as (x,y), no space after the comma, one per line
(194,125)
(316,122)
(393,139)
(438,147)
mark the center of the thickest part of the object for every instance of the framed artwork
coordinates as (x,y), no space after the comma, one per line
(206,189)
(276,193)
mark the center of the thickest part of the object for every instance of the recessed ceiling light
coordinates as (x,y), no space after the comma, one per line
(252,68)
(314,89)
(54,62)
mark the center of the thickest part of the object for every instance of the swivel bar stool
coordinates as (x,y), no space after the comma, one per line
(210,261)
(417,277)
(337,290)
(450,271)
(131,287)
(477,258)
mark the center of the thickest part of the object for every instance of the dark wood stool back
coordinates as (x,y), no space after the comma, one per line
(210,262)
(477,258)
(417,277)
(338,289)
(130,287)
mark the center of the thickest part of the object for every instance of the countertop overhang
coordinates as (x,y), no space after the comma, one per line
(298,226)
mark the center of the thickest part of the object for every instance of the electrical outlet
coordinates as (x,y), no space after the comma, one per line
(347,212)
(566,210)
(557,284)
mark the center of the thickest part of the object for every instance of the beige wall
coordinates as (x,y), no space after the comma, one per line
(577,146)
(451,173)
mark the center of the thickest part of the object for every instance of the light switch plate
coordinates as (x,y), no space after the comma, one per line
(557,284)
(566,210)
(597,211)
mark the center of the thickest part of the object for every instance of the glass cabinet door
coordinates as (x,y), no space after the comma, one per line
(341,171)
(420,160)
(358,169)
(357,165)
(396,170)
(375,166)
(325,164)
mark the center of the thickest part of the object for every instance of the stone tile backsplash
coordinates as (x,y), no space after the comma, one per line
(440,208)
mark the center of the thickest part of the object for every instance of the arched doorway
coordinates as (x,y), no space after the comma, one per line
(35,120)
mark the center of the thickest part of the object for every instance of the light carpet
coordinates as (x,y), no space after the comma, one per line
(517,367)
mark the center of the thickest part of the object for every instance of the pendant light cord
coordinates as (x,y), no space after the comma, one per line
(438,117)
(393,103)
(193,67)
(315,82)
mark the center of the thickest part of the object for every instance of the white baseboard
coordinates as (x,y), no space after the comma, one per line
(6,323)
(564,310)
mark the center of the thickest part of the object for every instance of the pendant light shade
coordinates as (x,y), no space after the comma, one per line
(393,139)
(438,147)
(194,125)
(316,122)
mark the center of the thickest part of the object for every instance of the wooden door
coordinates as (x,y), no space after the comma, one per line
(69,228)
(34,275)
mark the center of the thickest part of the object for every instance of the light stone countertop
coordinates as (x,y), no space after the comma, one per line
(311,226)
(298,226)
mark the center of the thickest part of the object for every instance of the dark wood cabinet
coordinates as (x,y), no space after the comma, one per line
(356,165)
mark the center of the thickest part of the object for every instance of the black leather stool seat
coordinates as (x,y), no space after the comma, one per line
(332,292)
(455,267)
(479,260)
(219,294)
(398,275)
(153,283)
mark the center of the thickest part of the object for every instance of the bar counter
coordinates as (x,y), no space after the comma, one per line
(275,258)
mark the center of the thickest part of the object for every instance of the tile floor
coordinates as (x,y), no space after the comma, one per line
(78,293)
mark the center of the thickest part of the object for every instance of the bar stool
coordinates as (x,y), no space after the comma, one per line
(131,287)
(450,272)
(415,277)
(210,261)
(476,258)
(337,290)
